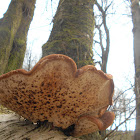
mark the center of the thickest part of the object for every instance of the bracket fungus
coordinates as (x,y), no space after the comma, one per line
(55,90)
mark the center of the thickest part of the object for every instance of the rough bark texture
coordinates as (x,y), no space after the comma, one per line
(72,32)
(13,129)
(135,7)
(13,32)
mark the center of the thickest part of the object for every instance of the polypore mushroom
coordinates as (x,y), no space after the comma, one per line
(55,90)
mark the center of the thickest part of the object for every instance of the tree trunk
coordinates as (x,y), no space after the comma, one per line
(13,33)
(11,128)
(72,35)
(72,32)
(135,7)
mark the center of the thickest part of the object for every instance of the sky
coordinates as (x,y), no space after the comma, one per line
(120,61)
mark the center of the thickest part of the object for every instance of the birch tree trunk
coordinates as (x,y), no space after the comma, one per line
(135,7)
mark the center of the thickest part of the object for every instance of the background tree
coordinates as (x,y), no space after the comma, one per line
(13,34)
(135,8)
(103,32)
(29,60)
(124,109)
(123,115)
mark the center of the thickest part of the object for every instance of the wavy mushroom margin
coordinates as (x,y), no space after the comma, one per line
(76,71)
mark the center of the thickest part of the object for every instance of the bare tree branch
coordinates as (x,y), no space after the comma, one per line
(119,125)
(105,50)
(123,92)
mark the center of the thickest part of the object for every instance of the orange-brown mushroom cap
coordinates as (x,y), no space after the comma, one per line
(55,90)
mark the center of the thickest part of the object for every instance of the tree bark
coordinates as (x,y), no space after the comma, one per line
(135,7)
(13,33)
(72,32)
(11,128)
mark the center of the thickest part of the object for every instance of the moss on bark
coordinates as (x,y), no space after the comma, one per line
(13,28)
(8,26)
(72,32)
(17,52)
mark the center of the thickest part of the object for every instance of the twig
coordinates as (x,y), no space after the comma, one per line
(120,124)
(123,92)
